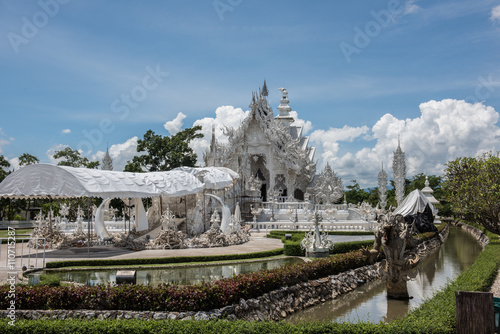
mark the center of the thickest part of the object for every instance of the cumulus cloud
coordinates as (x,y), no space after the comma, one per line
(495,14)
(119,153)
(306,125)
(66,131)
(328,140)
(444,130)
(53,149)
(225,116)
(175,125)
(14,163)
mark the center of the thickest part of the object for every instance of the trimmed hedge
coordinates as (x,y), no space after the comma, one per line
(278,234)
(293,248)
(163,260)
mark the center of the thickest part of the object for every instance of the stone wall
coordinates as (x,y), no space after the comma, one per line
(274,305)
(475,232)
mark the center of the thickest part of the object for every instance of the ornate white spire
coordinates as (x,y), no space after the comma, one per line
(382,188)
(399,170)
(284,108)
(329,187)
(427,191)
(264,91)
(107,162)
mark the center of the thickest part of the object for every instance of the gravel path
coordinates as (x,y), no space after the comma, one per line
(495,288)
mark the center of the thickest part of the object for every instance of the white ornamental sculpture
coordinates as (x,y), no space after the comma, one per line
(64,211)
(255,211)
(382,188)
(215,219)
(79,220)
(316,244)
(329,187)
(168,220)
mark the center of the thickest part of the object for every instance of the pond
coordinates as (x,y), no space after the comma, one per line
(368,303)
(183,275)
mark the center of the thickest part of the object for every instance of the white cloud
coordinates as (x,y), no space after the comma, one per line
(225,116)
(4,140)
(306,125)
(495,14)
(175,125)
(51,151)
(445,130)
(410,7)
(14,163)
(66,131)
(328,140)
(119,153)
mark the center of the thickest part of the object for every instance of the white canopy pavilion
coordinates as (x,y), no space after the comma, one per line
(51,181)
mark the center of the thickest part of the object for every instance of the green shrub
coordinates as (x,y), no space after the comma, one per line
(345,247)
(292,248)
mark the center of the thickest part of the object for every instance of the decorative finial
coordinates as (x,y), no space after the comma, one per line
(265,92)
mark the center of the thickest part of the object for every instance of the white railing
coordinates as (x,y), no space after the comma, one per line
(327,226)
(302,205)
(15,253)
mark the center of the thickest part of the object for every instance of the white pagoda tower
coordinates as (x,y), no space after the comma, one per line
(382,188)
(399,170)
(107,162)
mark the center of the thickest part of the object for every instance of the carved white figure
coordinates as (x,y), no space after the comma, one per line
(316,244)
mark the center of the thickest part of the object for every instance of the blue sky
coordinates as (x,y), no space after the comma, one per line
(88,74)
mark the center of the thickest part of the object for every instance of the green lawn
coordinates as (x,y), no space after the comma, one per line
(24,231)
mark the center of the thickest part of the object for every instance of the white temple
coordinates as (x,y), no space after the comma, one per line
(267,151)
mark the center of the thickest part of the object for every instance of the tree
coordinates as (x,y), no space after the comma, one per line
(165,153)
(355,194)
(133,167)
(73,158)
(27,159)
(472,186)
(3,164)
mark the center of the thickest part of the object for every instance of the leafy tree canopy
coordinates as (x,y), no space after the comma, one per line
(165,153)
(73,158)
(472,186)
(355,194)
(27,159)
(3,164)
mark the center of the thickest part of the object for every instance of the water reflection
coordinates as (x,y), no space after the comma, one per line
(179,275)
(369,302)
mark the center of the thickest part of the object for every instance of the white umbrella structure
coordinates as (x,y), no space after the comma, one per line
(212,177)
